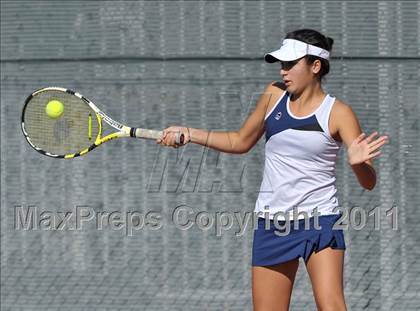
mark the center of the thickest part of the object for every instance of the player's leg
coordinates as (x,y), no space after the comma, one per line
(272,286)
(325,270)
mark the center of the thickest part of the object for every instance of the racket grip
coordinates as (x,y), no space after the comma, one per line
(145,134)
(152,134)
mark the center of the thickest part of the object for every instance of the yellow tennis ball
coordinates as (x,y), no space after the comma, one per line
(54,109)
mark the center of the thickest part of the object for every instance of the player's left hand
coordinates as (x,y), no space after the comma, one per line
(365,148)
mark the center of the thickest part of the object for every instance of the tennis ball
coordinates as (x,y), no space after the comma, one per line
(54,109)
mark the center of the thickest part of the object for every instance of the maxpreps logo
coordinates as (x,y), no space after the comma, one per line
(278,115)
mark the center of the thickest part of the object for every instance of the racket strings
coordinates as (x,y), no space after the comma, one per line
(75,130)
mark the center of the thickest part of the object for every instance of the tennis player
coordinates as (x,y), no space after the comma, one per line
(304,130)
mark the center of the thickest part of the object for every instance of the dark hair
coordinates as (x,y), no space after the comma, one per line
(316,38)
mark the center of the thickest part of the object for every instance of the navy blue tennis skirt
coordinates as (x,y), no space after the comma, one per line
(270,248)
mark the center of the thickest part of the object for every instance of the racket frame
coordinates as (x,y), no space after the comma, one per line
(123,130)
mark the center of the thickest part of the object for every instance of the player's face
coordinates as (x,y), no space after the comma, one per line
(296,75)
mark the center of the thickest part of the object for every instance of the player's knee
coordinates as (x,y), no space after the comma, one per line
(333,306)
(269,307)
(268,302)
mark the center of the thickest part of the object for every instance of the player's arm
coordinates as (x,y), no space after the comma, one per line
(240,141)
(245,138)
(360,149)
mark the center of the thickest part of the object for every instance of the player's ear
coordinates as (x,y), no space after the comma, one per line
(316,66)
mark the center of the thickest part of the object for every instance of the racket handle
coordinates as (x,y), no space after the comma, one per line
(152,134)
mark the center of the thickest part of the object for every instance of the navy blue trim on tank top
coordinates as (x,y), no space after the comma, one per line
(279,120)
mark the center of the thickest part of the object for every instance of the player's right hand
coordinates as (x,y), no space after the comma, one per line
(170,135)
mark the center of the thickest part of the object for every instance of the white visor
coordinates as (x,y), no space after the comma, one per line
(292,49)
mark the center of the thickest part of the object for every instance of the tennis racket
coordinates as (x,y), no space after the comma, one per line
(76,127)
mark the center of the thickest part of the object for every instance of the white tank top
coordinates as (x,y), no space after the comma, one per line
(299,167)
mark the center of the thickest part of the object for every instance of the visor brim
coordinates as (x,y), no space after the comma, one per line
(283,55)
